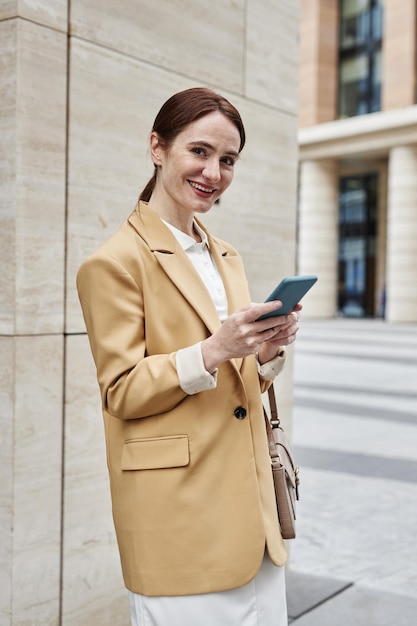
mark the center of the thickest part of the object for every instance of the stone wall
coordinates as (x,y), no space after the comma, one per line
(80,84)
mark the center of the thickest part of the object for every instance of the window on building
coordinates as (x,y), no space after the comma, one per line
(360,40)
(358,202)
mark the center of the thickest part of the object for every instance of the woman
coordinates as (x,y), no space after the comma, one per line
(181,363)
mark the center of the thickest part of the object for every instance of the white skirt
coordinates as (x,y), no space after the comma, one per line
(262,602)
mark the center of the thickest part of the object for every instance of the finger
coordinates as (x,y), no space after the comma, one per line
(259,309)
(288,330)
(284,322)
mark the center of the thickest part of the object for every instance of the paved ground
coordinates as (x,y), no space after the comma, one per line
(354,562)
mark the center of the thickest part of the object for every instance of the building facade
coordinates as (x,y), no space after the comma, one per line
(358,157)
(80,85)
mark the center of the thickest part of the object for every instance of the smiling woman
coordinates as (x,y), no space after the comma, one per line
(181,363)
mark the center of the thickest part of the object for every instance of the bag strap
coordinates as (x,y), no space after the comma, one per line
(271,441)
(273,423)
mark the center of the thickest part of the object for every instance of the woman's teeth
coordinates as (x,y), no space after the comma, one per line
(200,187)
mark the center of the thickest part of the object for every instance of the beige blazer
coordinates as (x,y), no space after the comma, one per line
(191,485)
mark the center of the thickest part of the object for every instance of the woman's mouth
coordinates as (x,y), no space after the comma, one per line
(208,191)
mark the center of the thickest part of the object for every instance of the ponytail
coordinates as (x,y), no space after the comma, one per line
(150,186)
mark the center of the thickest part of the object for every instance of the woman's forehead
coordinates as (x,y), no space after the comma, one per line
(214,126)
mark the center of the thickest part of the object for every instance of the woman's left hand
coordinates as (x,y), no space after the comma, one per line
(286,330)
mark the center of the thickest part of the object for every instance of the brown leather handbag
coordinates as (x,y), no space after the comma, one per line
(284,471)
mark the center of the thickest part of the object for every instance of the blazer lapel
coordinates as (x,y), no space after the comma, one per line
(232,272)
(175,263)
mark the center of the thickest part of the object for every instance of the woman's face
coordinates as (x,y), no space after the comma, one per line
(198,167)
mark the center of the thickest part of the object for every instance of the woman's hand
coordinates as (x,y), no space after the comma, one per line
(285,336)
(241,335)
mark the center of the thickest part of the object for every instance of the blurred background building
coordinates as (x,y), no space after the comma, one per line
(80,85)
(358,157)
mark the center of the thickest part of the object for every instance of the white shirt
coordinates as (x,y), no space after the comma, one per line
(192,374)
(200,257)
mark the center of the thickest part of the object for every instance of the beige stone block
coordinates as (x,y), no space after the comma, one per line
(37,464)
(6,475)
(271,67)
(202,40)
(114,100)
(32,216)
(93,590)
(52,13)
(8,89)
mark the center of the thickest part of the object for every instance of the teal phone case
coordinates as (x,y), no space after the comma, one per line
(290,291)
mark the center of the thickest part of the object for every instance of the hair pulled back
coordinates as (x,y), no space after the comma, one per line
(182,109)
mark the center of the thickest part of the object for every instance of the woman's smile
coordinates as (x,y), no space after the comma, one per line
(206,191)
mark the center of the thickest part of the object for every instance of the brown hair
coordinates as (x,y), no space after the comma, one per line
(182,109)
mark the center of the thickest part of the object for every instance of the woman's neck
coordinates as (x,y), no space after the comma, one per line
(184,223)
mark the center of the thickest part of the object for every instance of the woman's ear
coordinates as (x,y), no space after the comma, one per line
(156,148)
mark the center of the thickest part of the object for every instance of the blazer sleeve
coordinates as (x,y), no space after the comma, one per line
(132,384)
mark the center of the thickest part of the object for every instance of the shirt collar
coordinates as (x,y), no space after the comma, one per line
(186,241)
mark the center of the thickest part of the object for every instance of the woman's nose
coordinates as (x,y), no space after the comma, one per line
(211,171)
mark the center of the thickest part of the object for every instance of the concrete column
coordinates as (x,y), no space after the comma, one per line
(402,235)
(318,234)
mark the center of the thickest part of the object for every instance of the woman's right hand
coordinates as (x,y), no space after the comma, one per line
(241,334)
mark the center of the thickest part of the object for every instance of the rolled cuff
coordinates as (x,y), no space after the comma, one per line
(270,369)
(193,376)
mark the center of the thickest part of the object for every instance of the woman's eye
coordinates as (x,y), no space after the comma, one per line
(228,161)
(199,151)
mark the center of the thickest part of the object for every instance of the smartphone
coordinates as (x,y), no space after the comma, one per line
(289,291)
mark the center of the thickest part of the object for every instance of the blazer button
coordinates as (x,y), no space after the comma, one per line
(240,412)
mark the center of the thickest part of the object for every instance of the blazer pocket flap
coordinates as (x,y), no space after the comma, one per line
(155,453)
